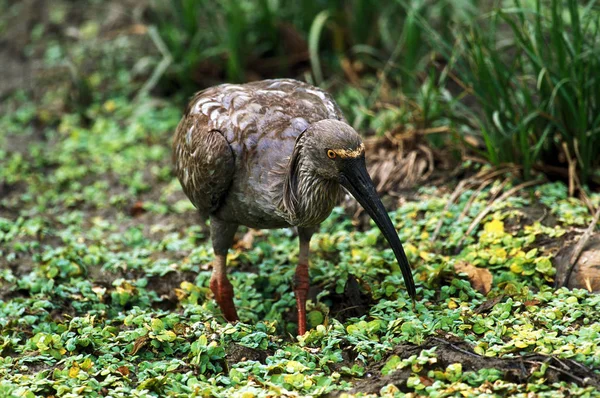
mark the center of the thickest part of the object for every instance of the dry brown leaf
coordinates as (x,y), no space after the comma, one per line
(480,278)
(139,343)
(247,240)
(426,381)
(531,303)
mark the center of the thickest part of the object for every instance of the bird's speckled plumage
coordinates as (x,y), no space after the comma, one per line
(235,140)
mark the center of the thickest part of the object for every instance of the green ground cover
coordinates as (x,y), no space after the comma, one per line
(104,272)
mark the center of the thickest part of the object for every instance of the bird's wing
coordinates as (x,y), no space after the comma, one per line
(204,162)
(246,130)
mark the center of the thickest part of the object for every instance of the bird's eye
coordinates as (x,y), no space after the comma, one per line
(330,154)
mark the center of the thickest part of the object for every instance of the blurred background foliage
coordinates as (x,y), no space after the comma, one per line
(511,81)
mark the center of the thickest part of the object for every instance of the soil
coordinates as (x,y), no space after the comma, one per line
(238,353)
(353,302)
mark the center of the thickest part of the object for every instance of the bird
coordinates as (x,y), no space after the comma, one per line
(272,154)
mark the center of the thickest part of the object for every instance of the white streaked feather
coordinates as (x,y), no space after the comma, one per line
(188,136)
(319,94)
(207,107)
(214,115)
(271,92)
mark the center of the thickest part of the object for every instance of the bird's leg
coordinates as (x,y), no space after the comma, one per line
(222,238)
(301,279)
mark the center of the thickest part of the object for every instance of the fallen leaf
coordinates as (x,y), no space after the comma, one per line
(480,278)
(426,381)
(124,370)
(139,343)
(247,240)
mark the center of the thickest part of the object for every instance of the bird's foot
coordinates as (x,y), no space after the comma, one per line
(223,291)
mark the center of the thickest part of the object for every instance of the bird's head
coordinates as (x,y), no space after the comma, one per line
(329,146)
(332,149)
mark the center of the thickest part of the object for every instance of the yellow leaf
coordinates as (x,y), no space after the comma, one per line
(110,106)
(494,227)
(180,294)
(74,370)
(294,367)
(452,304)
(410,249)
(167,336)
(516,268)
(425,255)
(87,364)
(356,253)
(521,344)
(500,253)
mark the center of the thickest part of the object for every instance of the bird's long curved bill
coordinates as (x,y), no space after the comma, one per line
(357,181)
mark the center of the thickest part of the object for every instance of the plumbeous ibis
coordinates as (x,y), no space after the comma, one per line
(272,154)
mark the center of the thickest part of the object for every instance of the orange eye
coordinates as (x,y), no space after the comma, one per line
(331,154)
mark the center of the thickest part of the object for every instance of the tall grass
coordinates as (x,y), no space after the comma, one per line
(535,73)
(236,33)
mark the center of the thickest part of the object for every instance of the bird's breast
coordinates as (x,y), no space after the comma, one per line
(316,199)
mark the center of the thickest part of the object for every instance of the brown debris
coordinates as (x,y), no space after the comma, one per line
(391,166)
(488,305)
(137,209)
(237,353)
(124,370)
(480,278)
(139,343)
(247,241)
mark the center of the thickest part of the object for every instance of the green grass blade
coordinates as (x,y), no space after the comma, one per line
(314,37)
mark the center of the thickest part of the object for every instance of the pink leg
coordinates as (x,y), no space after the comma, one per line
(301,278)
(222,288)
(301,285)
(221,234)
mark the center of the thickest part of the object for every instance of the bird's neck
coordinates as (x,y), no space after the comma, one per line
(316,196)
